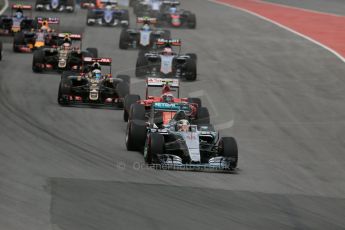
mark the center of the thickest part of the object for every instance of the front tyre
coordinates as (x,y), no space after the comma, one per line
(135,135)
(154,147)
(228,148)
(191,71)
(191,21)
(60,99)
(38,61)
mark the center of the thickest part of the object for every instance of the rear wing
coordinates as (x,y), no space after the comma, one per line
(160,82)
(101,61)
(170,42)
(171,3)
(22,7)
(146,20)
(15,7)
(167,84)
(112,2)
(71,36)
(41,20)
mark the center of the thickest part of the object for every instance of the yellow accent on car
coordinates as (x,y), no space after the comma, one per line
(39,44)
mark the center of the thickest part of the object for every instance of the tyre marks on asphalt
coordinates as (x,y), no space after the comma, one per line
(177,207)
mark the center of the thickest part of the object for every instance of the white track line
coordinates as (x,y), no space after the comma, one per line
(284,27)
(297,8)
(4,8)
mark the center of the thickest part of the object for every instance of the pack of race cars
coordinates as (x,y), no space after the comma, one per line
(174,132)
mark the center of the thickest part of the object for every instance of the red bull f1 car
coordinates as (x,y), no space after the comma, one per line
(27,41)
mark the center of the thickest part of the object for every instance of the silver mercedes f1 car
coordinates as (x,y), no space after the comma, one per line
(180,144)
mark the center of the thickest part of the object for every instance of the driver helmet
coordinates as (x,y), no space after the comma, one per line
(66,42)
(96,74)
(19,13)
(167,98)
(66,45)
(167,51)
(173,10)
(183,125)
(95,66)
(166,89)
(44,26)
(146,27)
(109,6)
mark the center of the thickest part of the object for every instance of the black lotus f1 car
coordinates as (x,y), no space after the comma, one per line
(86,88)
(62,57)
(27,41)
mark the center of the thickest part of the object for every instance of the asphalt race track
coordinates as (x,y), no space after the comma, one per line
(280,95)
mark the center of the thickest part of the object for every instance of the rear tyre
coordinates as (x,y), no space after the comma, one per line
(66,74)
(137,112)
(142,52)
(202,116)
(71,3)
(125,17)
(228,148)
(193,56)
(191,21)
(122,89)
(0,50)
(124,40)
(90,15)
(125,78)
(141,66)
(38,2)
(18,40)
(92,51)
(129,100)
(167,35)
(195,100)
(154,147)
